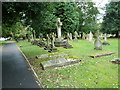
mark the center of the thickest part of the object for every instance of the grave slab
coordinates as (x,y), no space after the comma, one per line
(59,62)
(101,55)
(116,61)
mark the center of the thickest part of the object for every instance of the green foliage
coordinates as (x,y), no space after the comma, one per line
(41,16)
(87,16)
(89,73)
(111,19)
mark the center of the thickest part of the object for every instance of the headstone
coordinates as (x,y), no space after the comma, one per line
(79,35)
(35,42)
(105,40)
(101,35)
(59,62)
(34,35)
(53,48)
(41,37)
(83,37)
(41,42)
(75,35)
(48,46)
(87,36)
(98,43)
(90,37)
(70,36)
(67,44)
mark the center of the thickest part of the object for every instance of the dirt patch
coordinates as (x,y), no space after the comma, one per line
(9,41)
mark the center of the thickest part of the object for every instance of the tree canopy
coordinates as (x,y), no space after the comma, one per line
(111,19)
(41,16)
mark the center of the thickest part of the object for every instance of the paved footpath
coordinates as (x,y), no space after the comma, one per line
(15,73)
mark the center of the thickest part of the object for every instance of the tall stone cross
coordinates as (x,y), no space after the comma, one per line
(58,24)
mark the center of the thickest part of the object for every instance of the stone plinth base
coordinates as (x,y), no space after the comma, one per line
(68,46)
(98,48)
(41,44)
(48,47)
(35,42)
(105,43)
(53,50)
(59,62)
(60,42)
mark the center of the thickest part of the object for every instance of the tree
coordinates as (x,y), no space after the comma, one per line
(41,16)
(111,19)
(87,16)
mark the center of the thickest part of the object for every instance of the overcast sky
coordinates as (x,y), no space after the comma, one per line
(101,4)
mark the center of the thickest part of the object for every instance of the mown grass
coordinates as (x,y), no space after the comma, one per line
(2,43)
(90,73)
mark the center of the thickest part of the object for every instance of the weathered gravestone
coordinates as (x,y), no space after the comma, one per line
(41,42)
(116,61)
(98,43)
(53,48)
(87,36)
(34,42)
(105,40)
(90,37)
(67,44)
(84,36)
(70,36)
(34,36)
(59,41)
(75,35)
(59,62)
(48,46)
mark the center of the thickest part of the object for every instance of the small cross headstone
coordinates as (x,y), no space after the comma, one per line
(53,48)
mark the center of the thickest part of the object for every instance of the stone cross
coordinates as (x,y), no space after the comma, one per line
(58,24)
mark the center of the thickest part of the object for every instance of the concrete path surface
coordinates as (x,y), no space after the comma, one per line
(15,70)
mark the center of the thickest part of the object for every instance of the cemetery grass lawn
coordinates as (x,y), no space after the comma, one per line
(89,73)
(2,43)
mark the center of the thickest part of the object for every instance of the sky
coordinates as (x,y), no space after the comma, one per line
(101,4)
